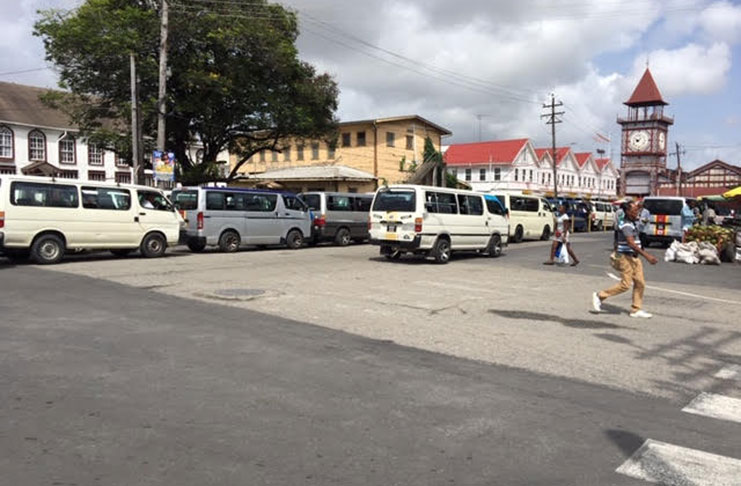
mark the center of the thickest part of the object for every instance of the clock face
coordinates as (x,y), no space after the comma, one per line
(662,141)
(638,141)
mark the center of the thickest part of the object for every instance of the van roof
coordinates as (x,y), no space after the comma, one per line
(234,189)
(332,193)
(57,180)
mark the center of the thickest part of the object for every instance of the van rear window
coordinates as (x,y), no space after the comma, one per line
(314,201)
(395,201)
(185,200)
(664,206)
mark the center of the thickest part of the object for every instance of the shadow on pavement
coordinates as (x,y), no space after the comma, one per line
(627,442)
(573,323)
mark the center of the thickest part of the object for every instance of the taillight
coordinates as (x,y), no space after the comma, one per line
(199,221)
(321,221)
(418,225)
(2,219)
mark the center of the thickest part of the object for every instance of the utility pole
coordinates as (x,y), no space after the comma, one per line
(134,120)
(161,99)
(679,172)
(551,119)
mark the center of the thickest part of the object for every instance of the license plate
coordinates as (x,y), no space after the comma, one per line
(391,236)
(391,228)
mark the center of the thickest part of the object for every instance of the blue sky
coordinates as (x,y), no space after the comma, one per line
(451,61)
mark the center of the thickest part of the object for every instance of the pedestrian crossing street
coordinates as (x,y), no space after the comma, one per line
(674,465)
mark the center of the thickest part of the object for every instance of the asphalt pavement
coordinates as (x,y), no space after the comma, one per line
(110,384)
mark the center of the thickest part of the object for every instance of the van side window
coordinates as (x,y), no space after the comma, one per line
(106,198)
(261,202)
(363,204)
(154,200)
(532,205)
(215,200)
(45,195)
(471,205)
(517,203)
(294,203)
(339,203)
(441,203)
(495,207)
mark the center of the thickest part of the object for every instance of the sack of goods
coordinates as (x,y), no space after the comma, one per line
(692,253)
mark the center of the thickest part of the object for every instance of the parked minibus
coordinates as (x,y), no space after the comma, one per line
(44,218)
(230,217)
(665,223)
(341,217)
(436,221)
(530,216)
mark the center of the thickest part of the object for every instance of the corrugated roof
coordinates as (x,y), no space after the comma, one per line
(646,93)
(601,163)
(315,172)
(496,152)
(560,153)
(442,130)
(22,104)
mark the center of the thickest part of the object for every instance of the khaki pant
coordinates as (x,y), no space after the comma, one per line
(631,271)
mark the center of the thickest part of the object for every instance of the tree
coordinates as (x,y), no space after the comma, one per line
(235,80)
(430,155)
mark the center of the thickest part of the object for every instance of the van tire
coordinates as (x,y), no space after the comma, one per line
(342,238)
(294,239)
(546,233)
(441,251)
(122,252)
(153,245)
(517,237)
(229,241)
(494,248)
(196,246)
(47,249)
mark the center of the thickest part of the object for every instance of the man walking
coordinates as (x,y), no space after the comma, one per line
(630,266)
(561,236)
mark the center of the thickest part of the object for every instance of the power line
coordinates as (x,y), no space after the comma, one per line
(24,71)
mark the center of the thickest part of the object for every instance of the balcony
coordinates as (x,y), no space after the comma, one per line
(633,118)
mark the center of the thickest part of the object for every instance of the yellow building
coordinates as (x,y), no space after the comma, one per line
(386,149)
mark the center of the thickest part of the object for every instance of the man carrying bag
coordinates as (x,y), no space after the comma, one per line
(627,261)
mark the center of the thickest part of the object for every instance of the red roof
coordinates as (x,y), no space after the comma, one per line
(581,158)
(560,153)
(601,163)
(498,152)
(646,93)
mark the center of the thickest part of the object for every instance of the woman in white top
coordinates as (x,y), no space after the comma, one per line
(561,237)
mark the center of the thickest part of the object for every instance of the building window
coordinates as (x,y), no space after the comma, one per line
(482,174)
(273,156)
(123,177)
(346,139)
(497,174)
(299,152)
(468,175)
(68,174)
(94,155)
(454,173)
(6,144)
(36,146)
(67,151)
(96,175)
(7,170)
(390,139)
(410,142)
(262,155)
(331,152)
(314,151)
(361,139)
(120,162)
(287,154)
(531,175)
(517,174)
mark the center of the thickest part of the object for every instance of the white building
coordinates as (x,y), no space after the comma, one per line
(516,165)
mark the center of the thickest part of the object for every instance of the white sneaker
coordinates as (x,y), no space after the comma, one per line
(641,313)
(596,302)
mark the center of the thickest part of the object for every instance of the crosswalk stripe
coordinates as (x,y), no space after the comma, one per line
(715,406)
(667,464)
(730,372)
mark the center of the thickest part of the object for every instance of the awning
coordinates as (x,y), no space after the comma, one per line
(735,192)
(41,168)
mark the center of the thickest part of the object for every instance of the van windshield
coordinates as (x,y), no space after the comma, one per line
(395,201)
(185,200)
(664,206)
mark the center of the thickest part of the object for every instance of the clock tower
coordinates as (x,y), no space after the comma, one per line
(644,139)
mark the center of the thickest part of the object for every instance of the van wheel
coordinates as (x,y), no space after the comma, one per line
(494,249)
(546,233)
(294,239)
(342,238)
(47,249)
(229,242)
(153,245)
(441,251)
(196,246)
(517,238)
(122,252)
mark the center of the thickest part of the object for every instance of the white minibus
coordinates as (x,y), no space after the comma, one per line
(42,218)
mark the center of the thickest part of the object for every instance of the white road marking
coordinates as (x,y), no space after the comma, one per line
(679,292)
(730,372)
(715,406)
(658,462)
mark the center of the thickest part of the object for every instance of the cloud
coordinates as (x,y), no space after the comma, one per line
(692,69)
(722,21)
